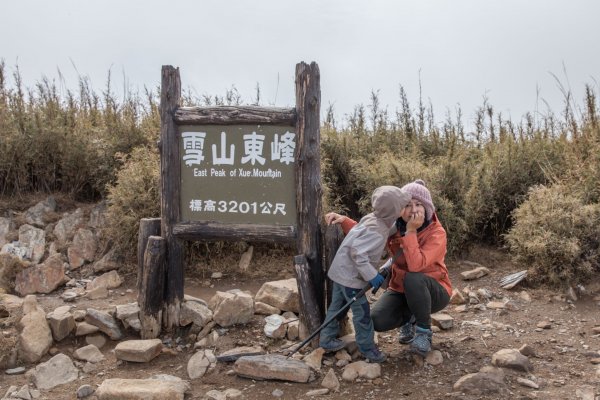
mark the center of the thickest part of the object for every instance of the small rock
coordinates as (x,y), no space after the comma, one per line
(15,371)
(215,395)
(527,383)
(317,392)
(314,359)
(84,391)
(527,350)
(544,324)
(277,393)
(511,358)
(330,381)
(434,357)
(475,273)
(233,393)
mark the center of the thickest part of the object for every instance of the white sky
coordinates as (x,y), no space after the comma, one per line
(463,50)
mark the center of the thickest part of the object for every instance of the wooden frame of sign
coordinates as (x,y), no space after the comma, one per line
(306,232)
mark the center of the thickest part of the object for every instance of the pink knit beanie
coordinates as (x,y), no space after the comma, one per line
(418,191)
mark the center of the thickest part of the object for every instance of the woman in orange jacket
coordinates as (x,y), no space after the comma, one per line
(419,282)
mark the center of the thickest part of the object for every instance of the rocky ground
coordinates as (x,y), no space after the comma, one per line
(557,332)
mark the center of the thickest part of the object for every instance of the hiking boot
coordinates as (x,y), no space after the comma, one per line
(421,344)
(332,345)
(374,355)
(406,333)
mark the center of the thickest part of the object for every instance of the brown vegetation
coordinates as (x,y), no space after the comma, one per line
(99,146)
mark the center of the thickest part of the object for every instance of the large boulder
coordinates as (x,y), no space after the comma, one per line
(282,294)
(36,215)
(83,248)
(5,228)
(163,387)
(33,239)
(196,313)
(42,278)
(61,322)
(107,324)
(35,337)
(109,280)
(108,262)
(232,307)
(56,371)
(272,367)
(67,226)
(138,350)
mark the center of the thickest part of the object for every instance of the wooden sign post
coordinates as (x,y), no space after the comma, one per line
(242,173)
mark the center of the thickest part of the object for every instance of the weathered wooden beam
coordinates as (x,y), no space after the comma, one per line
(220,231)
(308,174)
(333,239)
(235,115)
(150,297)
(170,175)
(310,310)
(148,227)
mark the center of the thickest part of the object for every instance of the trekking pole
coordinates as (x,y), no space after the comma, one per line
(384,271)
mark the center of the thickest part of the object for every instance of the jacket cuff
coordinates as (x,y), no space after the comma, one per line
(348,224)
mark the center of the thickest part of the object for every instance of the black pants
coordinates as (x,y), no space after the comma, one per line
(422,296)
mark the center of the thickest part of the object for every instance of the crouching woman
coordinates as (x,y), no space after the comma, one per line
(419,284)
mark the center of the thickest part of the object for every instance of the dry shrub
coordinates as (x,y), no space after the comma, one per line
(503,176)
(9,267)
(7,344)
(269,260)
(135,195)
(65,142)
(556,236)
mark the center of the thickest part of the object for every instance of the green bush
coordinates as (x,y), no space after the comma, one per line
(556,236)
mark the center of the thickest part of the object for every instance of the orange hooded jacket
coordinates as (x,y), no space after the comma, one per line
(422,252)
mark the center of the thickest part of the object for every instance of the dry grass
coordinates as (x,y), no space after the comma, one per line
(89,146)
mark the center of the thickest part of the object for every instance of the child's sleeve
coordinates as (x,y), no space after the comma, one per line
(348,224)
(365,248)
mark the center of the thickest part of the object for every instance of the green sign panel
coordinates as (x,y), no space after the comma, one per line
(238,174)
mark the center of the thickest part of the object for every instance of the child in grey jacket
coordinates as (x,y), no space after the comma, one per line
(355,264)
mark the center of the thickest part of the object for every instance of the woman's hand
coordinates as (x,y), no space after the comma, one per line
(334,218)
(415,221)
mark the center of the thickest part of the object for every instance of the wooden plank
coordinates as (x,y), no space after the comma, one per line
(310,311)
(235,115)
(221,231)
(333,239)
(150,298)
(308,174)
(148,227)
(170,175)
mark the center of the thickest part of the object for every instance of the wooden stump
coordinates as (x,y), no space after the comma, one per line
(148,227)
(310,310)
(151,297)
(333,239)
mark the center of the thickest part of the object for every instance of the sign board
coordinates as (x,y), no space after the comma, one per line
(238,174)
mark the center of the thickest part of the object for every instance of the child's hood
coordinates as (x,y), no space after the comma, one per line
(388,202)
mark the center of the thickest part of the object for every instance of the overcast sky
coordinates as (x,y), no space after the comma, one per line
(463,50)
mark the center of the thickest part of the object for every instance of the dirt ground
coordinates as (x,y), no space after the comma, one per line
(562,365)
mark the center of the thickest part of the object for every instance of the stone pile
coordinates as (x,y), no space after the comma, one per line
(50,254)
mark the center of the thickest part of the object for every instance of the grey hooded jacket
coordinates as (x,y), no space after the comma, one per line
(356,261)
